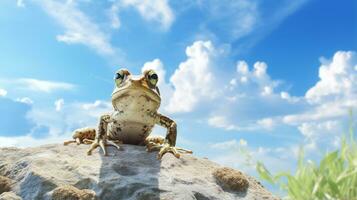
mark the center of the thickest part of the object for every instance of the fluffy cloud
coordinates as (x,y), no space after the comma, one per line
(79,28)
(251,100)
(324,134)
(3,92)
(195,86)
(338,79)
(334,94)
(324,119)
(313,130)
(255,81)
(267,123)
(193,80)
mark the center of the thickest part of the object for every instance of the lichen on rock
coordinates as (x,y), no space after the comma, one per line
(231,179)
(69,192)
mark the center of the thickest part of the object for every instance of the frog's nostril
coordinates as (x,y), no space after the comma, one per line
(135,81)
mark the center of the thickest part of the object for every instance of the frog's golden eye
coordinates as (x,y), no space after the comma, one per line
(120,76)
(152,78)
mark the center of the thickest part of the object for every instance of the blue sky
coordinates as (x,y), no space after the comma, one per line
(268,76)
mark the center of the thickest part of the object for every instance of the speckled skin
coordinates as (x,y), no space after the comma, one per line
(135,101)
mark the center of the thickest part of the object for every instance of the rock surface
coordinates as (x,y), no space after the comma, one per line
(131,173)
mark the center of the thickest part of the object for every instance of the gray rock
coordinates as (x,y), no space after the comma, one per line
(9,196)
(131,173)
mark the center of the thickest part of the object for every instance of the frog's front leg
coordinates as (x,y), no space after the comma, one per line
(101,136)
(170,140)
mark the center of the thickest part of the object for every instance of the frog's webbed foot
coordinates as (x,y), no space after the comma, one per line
(81,134)
(166,148)
(77,141)
(102,143)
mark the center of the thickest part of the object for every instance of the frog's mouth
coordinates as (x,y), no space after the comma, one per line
(135,92)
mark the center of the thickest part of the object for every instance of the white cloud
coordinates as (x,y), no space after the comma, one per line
(334,94)
(59,104)
(25,100)
(229,145)
(79,28)
(98,104)
(3,92)
(289,98)
(321,134)
(72,115)
(267,90)
(267,123)
(42,85)
(151,10)
(58,125)
(194,85)
(323,121)
(193,80)
(222,122)
(338,79)
(20,3)
(313,129)
(226,145)
(255,81)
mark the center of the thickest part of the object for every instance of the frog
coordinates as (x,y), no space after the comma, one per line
(135,101)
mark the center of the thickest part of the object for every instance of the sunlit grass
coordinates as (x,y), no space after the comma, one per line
(335,177)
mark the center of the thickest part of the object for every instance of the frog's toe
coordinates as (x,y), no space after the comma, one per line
(152,146)
(111,143)
(92,147)
(68,142)
(88,141)
(168,149)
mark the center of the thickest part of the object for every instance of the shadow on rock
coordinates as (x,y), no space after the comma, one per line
(130,173)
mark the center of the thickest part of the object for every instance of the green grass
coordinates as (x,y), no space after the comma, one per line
(335,177)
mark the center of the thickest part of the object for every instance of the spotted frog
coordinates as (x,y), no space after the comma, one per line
(135,100)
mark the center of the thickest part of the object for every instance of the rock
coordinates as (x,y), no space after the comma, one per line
(5,184)
(9,196)
(57,171)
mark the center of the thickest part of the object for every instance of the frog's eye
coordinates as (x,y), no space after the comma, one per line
(152,78)
(119,77)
